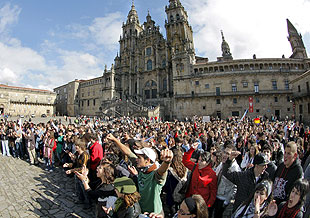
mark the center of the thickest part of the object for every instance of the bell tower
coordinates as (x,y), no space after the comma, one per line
(180,43)
(295,39)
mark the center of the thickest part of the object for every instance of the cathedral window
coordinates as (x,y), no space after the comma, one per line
(178,17)
(245,84)
(165,84)
(149,65)
(207,86)
(148,51)
(197,83)
(147,94)
(171,18)
(164,63)
(154,93)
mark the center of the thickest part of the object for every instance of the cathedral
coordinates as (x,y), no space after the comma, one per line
(151,72)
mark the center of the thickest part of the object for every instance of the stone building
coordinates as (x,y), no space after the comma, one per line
(301,100)
(17,101)
(152,71)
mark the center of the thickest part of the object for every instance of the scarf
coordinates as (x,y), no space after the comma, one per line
(288,212)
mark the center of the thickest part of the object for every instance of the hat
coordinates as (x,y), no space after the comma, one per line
(149,152)
(260,159)
(267,184)
(125,185)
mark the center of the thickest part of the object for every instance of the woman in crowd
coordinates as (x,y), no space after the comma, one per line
(293,207)
(126,205)
(106,173)
(177,176)
(247,161)
(193,206)
(256,206)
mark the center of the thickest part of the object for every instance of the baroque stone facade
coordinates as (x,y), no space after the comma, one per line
(151,71)
(301,101)
(17,101)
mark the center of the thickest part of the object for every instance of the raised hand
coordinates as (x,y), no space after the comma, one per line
(234,154)
(111,137)
(195,145)
(166,155)
(132,170)
(272,208)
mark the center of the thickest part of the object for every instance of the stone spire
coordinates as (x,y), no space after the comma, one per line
(132,15)
(225,49)
(295,39)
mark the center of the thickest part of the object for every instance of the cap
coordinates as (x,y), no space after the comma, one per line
(149,152)
(125,185)
(260,159)
(267,184)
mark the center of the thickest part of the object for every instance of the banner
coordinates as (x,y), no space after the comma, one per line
(251,104)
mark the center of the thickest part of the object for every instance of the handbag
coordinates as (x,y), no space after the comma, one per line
(186,185)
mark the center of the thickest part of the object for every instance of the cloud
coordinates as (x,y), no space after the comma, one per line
(8,16)
(250,26)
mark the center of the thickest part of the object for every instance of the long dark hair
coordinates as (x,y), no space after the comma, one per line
(177,164)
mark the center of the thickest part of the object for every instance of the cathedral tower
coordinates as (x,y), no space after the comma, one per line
(128,51)
(180,41)
(295,39)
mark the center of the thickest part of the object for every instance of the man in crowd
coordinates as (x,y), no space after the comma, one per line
(287,173)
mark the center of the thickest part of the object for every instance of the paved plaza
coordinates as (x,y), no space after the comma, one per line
(29,191)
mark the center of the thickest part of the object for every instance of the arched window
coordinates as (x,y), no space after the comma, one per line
(171,18)
(149,65)
(178,17)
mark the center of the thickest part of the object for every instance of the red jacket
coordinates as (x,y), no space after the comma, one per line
(204,181)
(96,154)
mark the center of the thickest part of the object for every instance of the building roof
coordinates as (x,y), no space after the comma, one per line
(302,76)
(26,89)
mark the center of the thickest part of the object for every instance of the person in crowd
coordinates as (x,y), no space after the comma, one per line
(4,132)
(96,154)
(247,180)
(194,206)
(271,167)
(177,177)
(226,190)
(287,173)
(81,160)
(257,204)
(18,142)
(204,180)
(49,147)
(127,203)
(151,178)
(291,208)
(29,136)
(247,161)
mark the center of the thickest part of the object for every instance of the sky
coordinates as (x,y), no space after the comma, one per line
(45,44)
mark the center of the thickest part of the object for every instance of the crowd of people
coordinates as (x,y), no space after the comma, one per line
(138,167)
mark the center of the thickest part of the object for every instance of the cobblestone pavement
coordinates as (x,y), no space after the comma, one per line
(29,191)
